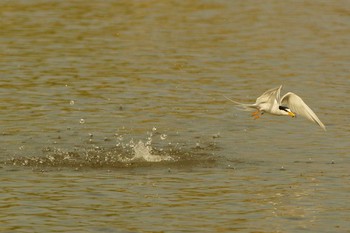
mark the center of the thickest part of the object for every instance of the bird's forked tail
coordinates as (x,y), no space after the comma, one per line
(244,107)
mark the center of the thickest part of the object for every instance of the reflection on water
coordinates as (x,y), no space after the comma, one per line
(113,116)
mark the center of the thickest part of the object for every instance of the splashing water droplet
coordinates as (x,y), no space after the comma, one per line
(82,121)
(51,158)
(71,102)
(131,143)
(154,128)
(163,136)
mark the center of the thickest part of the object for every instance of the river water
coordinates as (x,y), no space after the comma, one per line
(113,116)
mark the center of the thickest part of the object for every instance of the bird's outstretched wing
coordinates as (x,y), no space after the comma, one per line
(271,98)
(270,95)
(298,106)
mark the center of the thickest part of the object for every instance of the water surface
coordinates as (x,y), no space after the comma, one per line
(113,117)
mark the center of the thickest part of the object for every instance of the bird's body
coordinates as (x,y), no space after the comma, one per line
(289,105)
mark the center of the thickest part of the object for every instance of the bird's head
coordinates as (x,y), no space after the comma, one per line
(287,111)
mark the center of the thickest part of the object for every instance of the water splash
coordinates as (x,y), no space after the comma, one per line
(155,149)
(142,151)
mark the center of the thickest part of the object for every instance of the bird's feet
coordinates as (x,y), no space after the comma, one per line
(257,114)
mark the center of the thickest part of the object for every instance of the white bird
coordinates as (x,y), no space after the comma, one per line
(289,105)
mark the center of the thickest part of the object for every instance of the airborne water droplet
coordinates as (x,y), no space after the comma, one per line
(71,102)
(163,136)
(51,158)
(82,121)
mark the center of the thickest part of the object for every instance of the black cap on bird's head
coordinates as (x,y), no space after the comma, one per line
(287,110)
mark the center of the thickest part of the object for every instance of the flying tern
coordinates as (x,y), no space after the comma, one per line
(289,105)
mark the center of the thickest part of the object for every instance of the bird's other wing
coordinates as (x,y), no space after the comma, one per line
(298,106)
(270,96)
